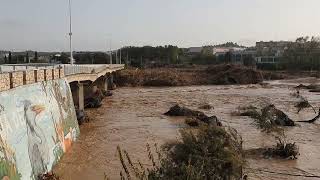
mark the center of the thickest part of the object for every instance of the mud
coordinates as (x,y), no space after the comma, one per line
(134,116)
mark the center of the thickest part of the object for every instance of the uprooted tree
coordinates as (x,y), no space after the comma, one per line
(271,120)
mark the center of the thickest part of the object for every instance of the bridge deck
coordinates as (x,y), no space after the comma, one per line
(14,75)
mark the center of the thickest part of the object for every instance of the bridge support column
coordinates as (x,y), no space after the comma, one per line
(102,84)
(80,96)
(111,85)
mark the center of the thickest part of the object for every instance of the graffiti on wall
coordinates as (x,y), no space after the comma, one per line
(37,125)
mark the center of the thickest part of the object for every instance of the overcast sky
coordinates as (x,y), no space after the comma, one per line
(43,24)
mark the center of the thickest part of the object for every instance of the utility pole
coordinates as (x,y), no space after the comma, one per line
(110,51)
(116,56)
(127,60)
(70,33)
(120,56)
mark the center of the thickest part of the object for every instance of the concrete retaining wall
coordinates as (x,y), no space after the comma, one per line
(37,126)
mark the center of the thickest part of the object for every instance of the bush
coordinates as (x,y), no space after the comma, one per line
(210,153)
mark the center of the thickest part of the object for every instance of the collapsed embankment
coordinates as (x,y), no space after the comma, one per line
(225,74)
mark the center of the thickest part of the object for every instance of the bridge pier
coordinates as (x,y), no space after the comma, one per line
(102,84)
(110,81)
(77,89)
(80,96)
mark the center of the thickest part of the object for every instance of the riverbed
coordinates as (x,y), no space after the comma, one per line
(133,117)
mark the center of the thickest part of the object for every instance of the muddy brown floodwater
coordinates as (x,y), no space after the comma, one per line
(133,117)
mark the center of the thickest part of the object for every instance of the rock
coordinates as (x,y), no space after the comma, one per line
(107,93)
(92,102)
(182,111)
(80,116)
(276,116)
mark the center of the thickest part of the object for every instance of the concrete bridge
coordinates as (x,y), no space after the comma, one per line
(39,107)
(84,80)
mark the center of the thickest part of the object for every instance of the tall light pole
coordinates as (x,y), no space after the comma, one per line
(120,56)
(70,33)
(110,50)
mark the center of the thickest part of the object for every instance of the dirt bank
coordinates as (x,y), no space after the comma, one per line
(193,75)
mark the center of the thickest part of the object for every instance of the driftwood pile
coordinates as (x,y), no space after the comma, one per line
(194,118)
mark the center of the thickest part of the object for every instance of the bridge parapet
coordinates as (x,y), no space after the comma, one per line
(13,79)
(12,76)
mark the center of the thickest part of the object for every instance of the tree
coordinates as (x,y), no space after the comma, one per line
(27,58)
(35,56)
(10,57)
(5,59)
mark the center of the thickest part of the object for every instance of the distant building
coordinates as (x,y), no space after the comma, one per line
(195,50)
(272,48)
(223,50)
(271,52)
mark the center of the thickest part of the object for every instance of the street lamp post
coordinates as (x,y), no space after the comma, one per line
(70,33)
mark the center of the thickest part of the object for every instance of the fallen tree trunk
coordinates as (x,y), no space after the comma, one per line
(312,120)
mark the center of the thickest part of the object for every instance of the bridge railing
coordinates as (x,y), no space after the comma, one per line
(23,67)
(12,76)
(88,68)
(13,79)
(69,69)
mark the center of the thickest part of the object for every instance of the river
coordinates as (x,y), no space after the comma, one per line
(133,117)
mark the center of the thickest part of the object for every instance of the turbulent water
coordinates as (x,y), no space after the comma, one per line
(134,117)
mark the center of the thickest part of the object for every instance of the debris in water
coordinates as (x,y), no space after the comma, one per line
(191,121)
(182,111)
(250,111)
(314,119)
(311,87)
(48,176)
(268,118)
(93,102)
(206,106)
(303,104)
(283,149)
(80,116)
(276,116)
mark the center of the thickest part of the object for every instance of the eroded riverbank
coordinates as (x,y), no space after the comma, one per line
(134,116)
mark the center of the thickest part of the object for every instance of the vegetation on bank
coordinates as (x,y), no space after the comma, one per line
(211,152)
(225,74)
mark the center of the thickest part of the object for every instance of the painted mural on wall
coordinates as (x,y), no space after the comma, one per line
(37,125)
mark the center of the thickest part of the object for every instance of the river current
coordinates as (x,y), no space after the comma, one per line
(133,117)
